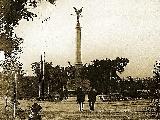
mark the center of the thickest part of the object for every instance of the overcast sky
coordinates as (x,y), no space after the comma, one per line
(110,28)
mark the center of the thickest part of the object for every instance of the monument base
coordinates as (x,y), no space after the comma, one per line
(79,65)
(73,84)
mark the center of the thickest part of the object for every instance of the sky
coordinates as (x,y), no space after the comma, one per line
(110,29)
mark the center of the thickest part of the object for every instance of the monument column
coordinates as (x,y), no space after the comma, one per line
(78,46)
(78,62)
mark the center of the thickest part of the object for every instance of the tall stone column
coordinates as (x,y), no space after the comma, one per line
(78,46)
(78,62)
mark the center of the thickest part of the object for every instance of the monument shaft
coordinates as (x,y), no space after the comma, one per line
(78,45)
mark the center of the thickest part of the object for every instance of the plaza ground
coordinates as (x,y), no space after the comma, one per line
(69,110)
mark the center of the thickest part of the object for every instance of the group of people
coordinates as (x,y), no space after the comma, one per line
(91,98)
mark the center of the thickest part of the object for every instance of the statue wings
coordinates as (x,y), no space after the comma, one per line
(75,9)
(78,11)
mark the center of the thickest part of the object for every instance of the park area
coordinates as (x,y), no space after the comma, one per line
(69,110)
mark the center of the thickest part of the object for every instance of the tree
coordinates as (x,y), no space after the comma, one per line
(156,87)
(103,73)
(11,12)
(27,87)
(55,77)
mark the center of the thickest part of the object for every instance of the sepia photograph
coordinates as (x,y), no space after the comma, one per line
(79,59)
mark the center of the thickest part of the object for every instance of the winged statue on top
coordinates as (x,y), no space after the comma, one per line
(78,13)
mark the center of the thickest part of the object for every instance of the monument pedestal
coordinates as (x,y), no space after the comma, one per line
(78,80)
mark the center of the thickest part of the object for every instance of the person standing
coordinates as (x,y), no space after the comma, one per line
(92,98)
(66,94)
(80,98)
(6,101)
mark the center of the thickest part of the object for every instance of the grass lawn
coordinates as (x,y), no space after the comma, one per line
(69,110)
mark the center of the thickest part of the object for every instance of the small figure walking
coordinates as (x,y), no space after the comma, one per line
(6,101)
(157,109)
(66,94)
(80,98)
(92,98)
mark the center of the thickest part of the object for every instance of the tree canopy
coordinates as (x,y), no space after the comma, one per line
(100,73)
(103,73)
(11,12)
(55,76)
